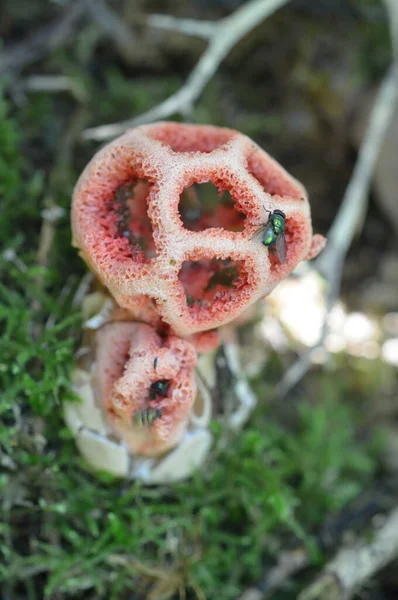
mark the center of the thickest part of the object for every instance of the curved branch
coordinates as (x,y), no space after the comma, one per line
(225,35)
(348,218)
(354,201)
(40,43)
(193,27)
(352,567)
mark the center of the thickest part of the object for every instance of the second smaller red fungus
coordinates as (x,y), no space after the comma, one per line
(145,384)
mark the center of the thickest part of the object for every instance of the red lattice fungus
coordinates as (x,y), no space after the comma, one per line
(138,232)
(131,360)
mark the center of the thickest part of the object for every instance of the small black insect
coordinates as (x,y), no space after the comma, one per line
(272,233)
(155,363)
(159,388)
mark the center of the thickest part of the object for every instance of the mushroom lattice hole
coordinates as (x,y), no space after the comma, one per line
(132,221)
(202,206)
(211,280)
(271,176)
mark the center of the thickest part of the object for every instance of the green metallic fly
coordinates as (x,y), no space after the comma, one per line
(147,417)
(272,233)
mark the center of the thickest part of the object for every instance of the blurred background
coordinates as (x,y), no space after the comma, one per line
(316,465)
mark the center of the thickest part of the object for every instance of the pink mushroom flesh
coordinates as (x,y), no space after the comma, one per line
(124,221)
(142,223)
(131,359)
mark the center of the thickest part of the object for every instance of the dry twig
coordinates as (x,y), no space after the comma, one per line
(51,212)
(51,84)
(245,397)
(355,198)
(354,203)
(349,216)
(50,37)
(392,9)
(372,505)
(43,41)
(353,566)
(113,27)
(192,27)
(289,563)
(222,38)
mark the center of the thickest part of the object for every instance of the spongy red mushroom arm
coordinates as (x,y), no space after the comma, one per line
(138,245)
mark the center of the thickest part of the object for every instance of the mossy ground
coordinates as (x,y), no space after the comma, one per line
(67,533)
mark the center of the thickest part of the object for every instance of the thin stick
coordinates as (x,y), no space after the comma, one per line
(355,198)
(392,9)
(237,416)
(372,505)
(354,204)
(192,27)
(113,27)
(345,225)
(43,41)
(52,84)
(56,34)
(52,212)
(226,34)
(352,567)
